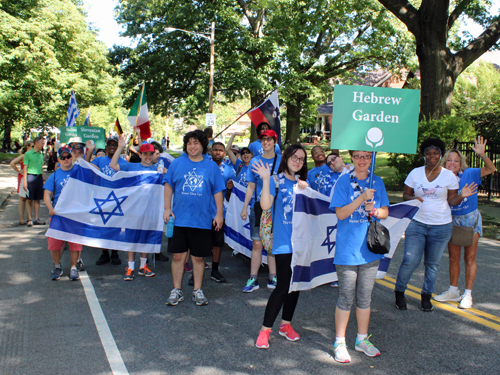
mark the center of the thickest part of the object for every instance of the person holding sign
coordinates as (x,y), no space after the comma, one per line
(431,227)
(465,214)
(356,265)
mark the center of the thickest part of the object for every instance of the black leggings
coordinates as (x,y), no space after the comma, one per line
(280,296)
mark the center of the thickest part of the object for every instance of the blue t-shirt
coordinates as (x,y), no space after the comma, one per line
(127,167)
(318,177)
(255,178)
(227,173)
(351,248)
(56,182)
(103,163)
(469,204)
(256,148)
(283,214)
(241,177)
(194,185)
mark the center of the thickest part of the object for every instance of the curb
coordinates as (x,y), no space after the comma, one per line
(3,200)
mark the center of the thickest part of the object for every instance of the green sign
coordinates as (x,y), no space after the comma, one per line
(375,119)
(98,135)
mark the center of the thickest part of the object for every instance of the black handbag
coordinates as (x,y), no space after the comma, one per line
(378,239)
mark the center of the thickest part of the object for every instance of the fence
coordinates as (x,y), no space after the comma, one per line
(491,183)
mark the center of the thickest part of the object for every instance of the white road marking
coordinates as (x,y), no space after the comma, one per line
(108,342)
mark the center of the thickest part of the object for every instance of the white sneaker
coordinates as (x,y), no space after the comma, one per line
(448,296)
(465,302)
(341,354)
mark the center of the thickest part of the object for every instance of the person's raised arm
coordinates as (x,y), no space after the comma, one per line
(454,199)
(90,150)
(15,162)
(114,161)
(480,149)
(266,199)
(230,152)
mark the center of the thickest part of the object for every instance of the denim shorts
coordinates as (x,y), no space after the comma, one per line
(255,230)
(469,220)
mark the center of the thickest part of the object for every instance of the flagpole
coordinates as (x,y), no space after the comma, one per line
(372,169)
(251,109)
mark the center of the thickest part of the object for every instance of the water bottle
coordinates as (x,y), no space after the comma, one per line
(170,227)
(160,166)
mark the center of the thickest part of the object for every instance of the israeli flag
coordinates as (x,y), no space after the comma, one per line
(73,111)
(237,233)
(314,236)
(123,212)
(167,159)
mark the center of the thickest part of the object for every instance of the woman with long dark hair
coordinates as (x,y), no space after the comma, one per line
(279,191)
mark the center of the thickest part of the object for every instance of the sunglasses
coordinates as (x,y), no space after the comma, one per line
(246,153)
(65,157)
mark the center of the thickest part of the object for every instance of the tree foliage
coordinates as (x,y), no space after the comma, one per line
(442,54)
(46,51)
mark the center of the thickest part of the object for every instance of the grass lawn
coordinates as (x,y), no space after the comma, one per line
(6,158)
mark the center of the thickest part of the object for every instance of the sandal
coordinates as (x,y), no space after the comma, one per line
(30,223)
(38,222)
(21,223)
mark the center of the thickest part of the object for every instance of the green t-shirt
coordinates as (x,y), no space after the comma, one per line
(34,161)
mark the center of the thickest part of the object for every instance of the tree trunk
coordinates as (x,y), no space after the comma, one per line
(255,100)
(8,124)
(293,110)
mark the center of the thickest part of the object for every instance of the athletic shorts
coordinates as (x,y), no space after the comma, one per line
(199,241)
(35,187)
(218,237)
(55,244)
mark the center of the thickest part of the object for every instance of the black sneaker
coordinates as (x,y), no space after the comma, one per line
(161,257)
(400,300)
(103,259)
(80,266)
(426,302)
(191,281)
(115,259)
(217,277)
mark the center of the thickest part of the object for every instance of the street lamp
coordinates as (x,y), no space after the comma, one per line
(211,38)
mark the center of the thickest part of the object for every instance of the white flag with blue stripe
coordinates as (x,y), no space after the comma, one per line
(167,159)
(123,212)
(73,111)
(314,236)
(237,233)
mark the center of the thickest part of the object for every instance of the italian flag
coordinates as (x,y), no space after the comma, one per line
(139,116)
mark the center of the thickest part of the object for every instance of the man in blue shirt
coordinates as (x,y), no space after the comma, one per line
(197,184)
(55,185)
(227,172)
(146,152)
(103,164)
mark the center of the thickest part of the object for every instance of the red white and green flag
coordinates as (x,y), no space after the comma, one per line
(139,116)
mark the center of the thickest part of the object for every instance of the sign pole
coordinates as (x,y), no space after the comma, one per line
(372,168)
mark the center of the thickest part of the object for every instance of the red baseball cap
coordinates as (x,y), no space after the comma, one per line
(146,147)
(269,133)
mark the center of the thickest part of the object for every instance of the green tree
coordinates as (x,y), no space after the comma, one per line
(46,51)
(441,55)
(476,98)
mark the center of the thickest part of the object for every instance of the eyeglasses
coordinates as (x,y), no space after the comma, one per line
(332,159)
(364,157)
(65,157)
(266,139)
(297,160)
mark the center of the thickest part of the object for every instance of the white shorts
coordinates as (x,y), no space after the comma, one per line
(22,192)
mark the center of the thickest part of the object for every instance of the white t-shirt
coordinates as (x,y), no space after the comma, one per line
(435,209)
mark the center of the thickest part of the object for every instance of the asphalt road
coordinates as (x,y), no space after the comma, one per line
(47,327)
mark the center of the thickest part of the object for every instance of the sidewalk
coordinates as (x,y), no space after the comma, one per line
(8,182)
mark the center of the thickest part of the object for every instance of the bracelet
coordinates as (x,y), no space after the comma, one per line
(374,211)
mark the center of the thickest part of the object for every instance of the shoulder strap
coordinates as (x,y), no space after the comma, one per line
(274,163)
(240,167)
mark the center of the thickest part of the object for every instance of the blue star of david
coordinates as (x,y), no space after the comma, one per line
(327,241)
(247,226)
(116,211)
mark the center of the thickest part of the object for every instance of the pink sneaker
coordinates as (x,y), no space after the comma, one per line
(287,331)
(187,267)
(263,339)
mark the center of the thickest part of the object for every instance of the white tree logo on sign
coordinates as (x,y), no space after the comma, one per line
(374,137)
